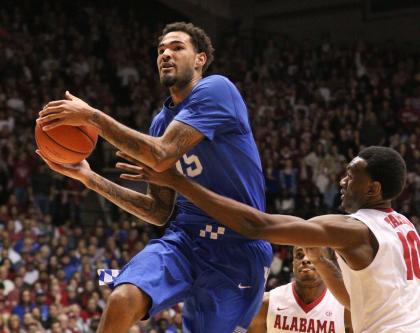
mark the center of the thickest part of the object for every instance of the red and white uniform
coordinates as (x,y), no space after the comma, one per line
(288,313)
(385,296)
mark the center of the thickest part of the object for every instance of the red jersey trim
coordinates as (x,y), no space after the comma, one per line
(310,306)
(386,210)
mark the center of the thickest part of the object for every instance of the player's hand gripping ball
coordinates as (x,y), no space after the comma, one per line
(66,144)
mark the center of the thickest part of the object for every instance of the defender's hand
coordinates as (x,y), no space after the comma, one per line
(140,172)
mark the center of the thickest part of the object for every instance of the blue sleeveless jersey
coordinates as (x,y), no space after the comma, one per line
(226,161)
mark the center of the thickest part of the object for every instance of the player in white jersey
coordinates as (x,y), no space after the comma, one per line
(305,305)
(378,248)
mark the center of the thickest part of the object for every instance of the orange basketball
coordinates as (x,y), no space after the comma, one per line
(66,144)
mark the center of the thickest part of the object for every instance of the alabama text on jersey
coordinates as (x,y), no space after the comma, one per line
(287,312)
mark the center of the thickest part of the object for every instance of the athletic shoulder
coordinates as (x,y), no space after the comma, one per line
(214,107)
(218,87)
(216,80)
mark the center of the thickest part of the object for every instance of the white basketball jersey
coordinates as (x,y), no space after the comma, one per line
(385,296)
(287,313)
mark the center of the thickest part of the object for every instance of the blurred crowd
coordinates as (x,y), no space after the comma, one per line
(313,106)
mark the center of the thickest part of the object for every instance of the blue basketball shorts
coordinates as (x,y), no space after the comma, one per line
(221,283)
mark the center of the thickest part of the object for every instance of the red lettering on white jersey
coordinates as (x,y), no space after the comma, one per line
(321,327)
(296,324)
(311,326)
(302,326)
(288,313)
(395,220)
(391,282)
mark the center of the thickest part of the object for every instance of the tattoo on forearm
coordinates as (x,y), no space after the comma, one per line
(119,195)
(164,200)
(186,136)
(154,209)
(113,134)
(178,139)
(95,118)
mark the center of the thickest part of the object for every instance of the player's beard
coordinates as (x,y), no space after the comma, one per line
(180,81)
(349,203)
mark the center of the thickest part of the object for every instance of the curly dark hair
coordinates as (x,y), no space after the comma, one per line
(199,39)
(386,166)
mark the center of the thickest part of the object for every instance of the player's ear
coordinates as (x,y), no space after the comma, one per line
(374,189)
(200,59)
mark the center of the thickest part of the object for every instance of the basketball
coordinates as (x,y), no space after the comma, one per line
(66,144)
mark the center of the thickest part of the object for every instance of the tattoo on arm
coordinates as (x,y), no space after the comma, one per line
(156,152)
(119,135)
(155,208)
(180,138)
(164,201)
(95,118)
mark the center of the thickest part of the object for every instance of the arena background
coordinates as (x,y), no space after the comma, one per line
(321,78)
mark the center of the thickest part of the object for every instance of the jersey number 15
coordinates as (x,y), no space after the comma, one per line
(193,165)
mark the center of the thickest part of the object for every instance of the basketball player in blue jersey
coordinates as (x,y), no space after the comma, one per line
(203,129)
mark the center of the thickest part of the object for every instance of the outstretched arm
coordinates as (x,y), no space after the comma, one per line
(330,274)
(159,153)
(155,207)
(328,230)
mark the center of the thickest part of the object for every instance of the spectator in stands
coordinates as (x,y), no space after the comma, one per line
(25,304)
(312,109)
(14,325)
